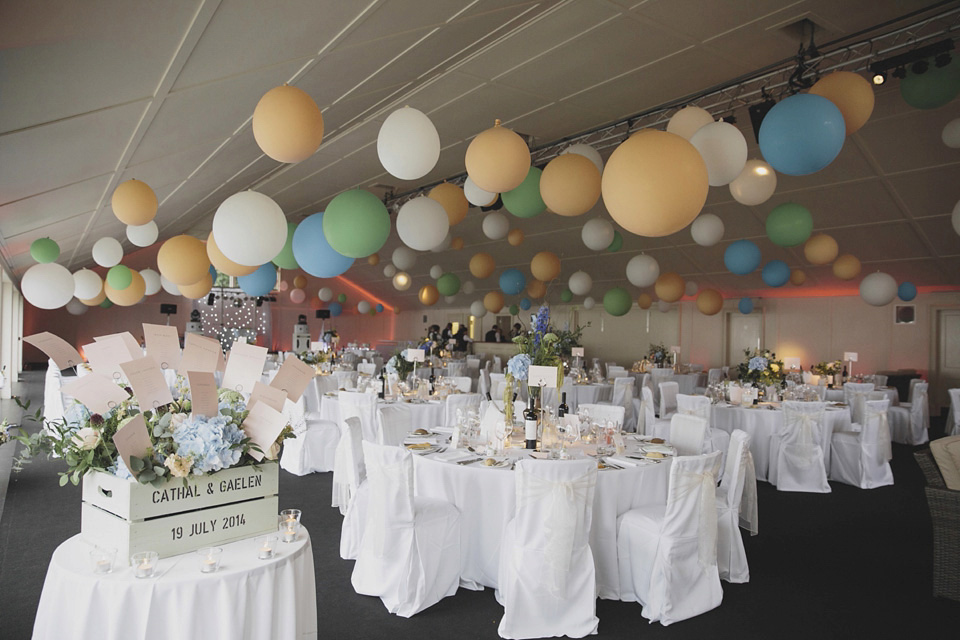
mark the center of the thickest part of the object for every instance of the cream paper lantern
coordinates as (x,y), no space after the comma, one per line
(404,258)
(570,185)
(477,196)
(143,235)
(107,252)
(436,271)
(797,277)
(644,300)
(587,152)
(707,230)
(482,265)
(597,234)
(495,225)
(723,149)
(130,295)
(389,271)
(326,293)
(199,289)
(468,287)
(691,288)
(402,281)
(878,289)
(663,306)
(852,94)
(643,270)
(515,237)
(669,287)
(580,283)
(76,308)
(545,266)
(48,285)
(183,260)
(493,301)
(477,310)
(428,295)
(821,249)
(709,302)
(688,121)
(250,228)
(134,202)
(86,284)
(408,144)
(363,306)
(422,223)
(497,160)
(168,286)
(298,296)
(151,281)
(846,267)
(951,134)
(755,184)
(288,126)
(589,303)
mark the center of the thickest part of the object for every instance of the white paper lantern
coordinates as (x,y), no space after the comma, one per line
(477,309)
(169,287)
(723,149)
(404,258)
(951,134)
(325,294)
(86,284)
(691,288)
(878,289)
(444,244)
(389,271)
(955,217)
(755,184)
(580,283)
(688,121)
(422,223)
(436,271)
(143,235)
(663,307)
(589,303)
(363,306)
(597,234)
(402,281)
(152,281)
(477,196)
(468,287)
(408,144)
(587,152)
(250,228)
(449,299)
(76,308)
(48,285)
(707,230)
(643,270)
(107,252)
(495,225)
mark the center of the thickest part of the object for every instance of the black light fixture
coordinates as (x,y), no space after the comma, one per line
(942,60)
(920,67)
(260,301)
(210,300)
(915,59)
(758,112)
(900,73)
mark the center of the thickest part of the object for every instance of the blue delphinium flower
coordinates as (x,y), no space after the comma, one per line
(757,363)
(209,442)
(541,322)
(518,366)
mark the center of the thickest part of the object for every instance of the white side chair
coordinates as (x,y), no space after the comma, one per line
(410,553)
(668,554)
(736,507)
(483,383)
(910,422)
(350,489)
(464,384)
(880,380)
(314,448)
(362,406)
(497,382)
(604,412)
(497,364)
(668,398)
(652,425)
(463,402)
(796,450)
(952,428)
(547,577)
(394,422)
(913,382)
(716,439)
(862,458)
(623,397)
(854,395)
(367,368)
(687,434)
(714,376)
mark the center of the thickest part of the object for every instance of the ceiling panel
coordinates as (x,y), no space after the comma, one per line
(940,234)
(928,193)
(51,207)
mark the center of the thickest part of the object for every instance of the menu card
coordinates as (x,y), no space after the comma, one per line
(204,400)
(133,440)
(96,391)
(273,397)
(106,354)
(244,367)
(133,347)
(293,377)
(199,354)
(262,426)
(163,343)
(148,383)
(56,348)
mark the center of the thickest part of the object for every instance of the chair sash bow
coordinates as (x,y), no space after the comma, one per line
(706,483)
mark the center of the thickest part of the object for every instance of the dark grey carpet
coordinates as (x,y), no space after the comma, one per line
(850,564)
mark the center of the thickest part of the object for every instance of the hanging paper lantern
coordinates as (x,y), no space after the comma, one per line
(408,144)
(106,304)
(482,265)
(524,201)
(132,293)
(151,281)
(325,294)
(183,260)
(852,94)
(570,185)
(597,234)
(723,149)
(742,257)
(401,281)
(477,310)
(707,230)
(379,308)
(404,258)
(107,252)
(688,121)
(260,282)
(453,200)
(669,287)
(536,289)
(76,308)
(545,266)
(525,304)
(44,250)
(364,307)
(514,309)
(300,282)
(250,228)
(617,301)
(86,284)
(589,303)
(468,287)
(789,225)
(745,305)
(119,277)
(644,300)
(335,309)
(47,286)
(932,89)
(497,160)
(436,271)
(515,237)
(389,271)
(512,281)
(846,267)
(587,152)
(143,235)
(690,288)
(907,291)
(821,249)
(100,297)
(617,243)
(456,243)
(802,134)
(224,264)
(878,289)
(312,251)
(495,225)
(951,134)
(283,286)
(356,223)
(797,277)
(580,283)
(775,273)
(643,270)
(566,295)
(493,301)
(285,259)
(477,196)
(169,287)
(287,124)
(755,184)
(448,284)
(709,302)
(342,298)
(134,202)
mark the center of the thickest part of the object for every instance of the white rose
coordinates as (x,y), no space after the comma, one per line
(273,451)
(87,438)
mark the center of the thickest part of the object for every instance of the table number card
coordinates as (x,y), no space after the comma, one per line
(133,347)
(576,352)
(105,356)
(271,396)
(262,426)
(244,367)
(542,377)
(133,440)
(148,383)
(414,355)
(850,356)
(163,343)
(293,377)
(316,346)
(204,400)
(96,391)
(56,348)
(199,354)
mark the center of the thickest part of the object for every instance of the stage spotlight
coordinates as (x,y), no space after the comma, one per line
(942,60)
(879,78)
(900,73)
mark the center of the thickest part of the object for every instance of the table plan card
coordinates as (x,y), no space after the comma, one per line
(576,352)
(262,426)
(199,354)
(542,377)
(293,377)
(414,355)
(244,367)
(204,400)
(148,383)
(133,347)
(133,440)
(271,396)
(56,348)
(96,392)
(105,356)
(163,343)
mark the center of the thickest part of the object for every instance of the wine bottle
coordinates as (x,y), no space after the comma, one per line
(562,410)
(488,396)
(383,386)
(530,425)
(844,373)
(433,379)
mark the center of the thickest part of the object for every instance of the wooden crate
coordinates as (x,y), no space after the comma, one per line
(214,509)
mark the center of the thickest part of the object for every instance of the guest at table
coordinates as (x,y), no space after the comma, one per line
(517,330)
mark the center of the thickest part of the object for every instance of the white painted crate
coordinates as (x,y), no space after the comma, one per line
(214,509)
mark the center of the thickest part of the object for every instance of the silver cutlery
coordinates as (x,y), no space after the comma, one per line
(464,462)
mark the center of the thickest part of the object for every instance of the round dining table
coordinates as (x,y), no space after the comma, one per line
(836,395)
(424,415)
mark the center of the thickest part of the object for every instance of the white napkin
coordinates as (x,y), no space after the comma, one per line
(454,455)
(621,461)
(659,448)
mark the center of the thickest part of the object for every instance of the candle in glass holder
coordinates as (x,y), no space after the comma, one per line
(209,559)
(290,534)
(144,563)
(103,566)
(102,559)
(265,545)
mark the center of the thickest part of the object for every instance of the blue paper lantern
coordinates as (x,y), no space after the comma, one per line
(335,309)
(745,305)
(907,291)
(313,253)
(742,257)
(802,134)
(213,273)
(260,282)
(525,304)
(379,308)
(775,273)
(512,281)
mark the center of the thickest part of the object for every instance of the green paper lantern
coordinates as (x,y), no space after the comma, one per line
(932,89)
(525,200)
(342,298)
(617,301)
(44,250)
(566,295)
(107,303)
(373,312)
(285,259)
(448,284)
(119,277)
(356,223)
(617,243)
(514,309)
(789,225)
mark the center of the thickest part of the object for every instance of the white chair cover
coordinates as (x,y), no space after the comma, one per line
(497,382)
(368,368)
(952,428)
(854,395)
(653,426)
(483,383)
(687,434)
(604,412)
(913,382)
(714,376)
(473,366)
(497,365)
(362,406)
(547,581)
(393,424)
(464,402)
(668,554)
(861,458)
(879,379)
(464,384)
(353,474)
(821,390)
(736,495)
(668,398)
(410,553)
(716,439)
(796,451)
(314,448)
(910,423)
(623,397)
(615,372)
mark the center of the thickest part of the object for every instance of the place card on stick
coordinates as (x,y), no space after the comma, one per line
(540,376)
(293,377)
(105,356)
(148,383)
(133,440)
(56,348)
(96,391)
(414,355)
(273,397)
(133,347)
(576,352)
(163,343)
(244,367)
(262,426)
(204,400)
(199,354)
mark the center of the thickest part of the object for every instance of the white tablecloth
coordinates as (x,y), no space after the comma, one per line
(836,395)
(590,394)
(247,598)
(425,416)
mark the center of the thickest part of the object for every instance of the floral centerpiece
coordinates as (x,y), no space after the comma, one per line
(828,368)
(4,432)
(399,365)
(658,354)
(540,347)
(761,367)
(313,358)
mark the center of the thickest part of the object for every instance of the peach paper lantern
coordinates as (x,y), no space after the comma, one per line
(134,203)
(299,282)
(373,259)
(199,289)
(709,302)
(428,295)
(297,296)
(570,185)
(645,300)
(821,249)
(493,301)
(183,260)
(497,160)
(852,94)
(515,237)
(129,296)
(545,266)
(536,289)
(222,263)
(846,267)
(669,287)
(287,124)
(482,265)
(797,277)
(453,201)
(457,243)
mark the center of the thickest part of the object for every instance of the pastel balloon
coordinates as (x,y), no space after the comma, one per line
(482,265)
(197,290)
(379,308)
(846,267)
(525,303)
(514,309)
(755,184)
(789,224)
(512,281)
(802,134)
(493,301)
(742,257)
(404,258)
(468,287)
(951,134)
(745,305)
(797,277)
(477,196)
(497,160)
(44,250)
(401,281)
(597,234)
(536,289)
(183,260)
(907,291)
(707,230)
(524,200)
(151,280)
(690,288)
(408,144)
(456,243)
(570,185)
(224,264)
(723,149)
(587,152)
(131,294)
(436,271)
(545,266)
(515,237)
(688,121)
(363,306)
(119,277)
(617,301)
(589,303)
(134,202)
(356,223)
(495,225)
(775,273)
(76,307)
(260,282)
(169,287)
(933,89)
(448,284)
(878,289)
(669,287)
(566,295)
(644,300)
(852,94)
(48,285)
(86,284)
(643,270)
(100,297)
(287,124)
(453,200)
(709,302)
(477,310)
(250,228)
(299,282)
(325,294)
(335,309)
(617,243)
(312,251)
(285,259)
(107,252)
(580,283)
(389,271)
(821,249)
(143,235)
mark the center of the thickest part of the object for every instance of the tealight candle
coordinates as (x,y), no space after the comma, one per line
(102,559)
(209,559)
(290,535)
(102,567)
(265,547)
(144,563)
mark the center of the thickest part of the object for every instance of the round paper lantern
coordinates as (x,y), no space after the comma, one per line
(797,277)
(404,258)
(250,228)
(570,185)
(436,271)
(789,225)
(690,288)
(477,196)
(86,284)
(44,250)
(456,243)
(878,289)
(955,217)
(755,184)
(515,237)
(536,289)
(802,134)
(821,249)
(644,300)
(364,307)
(312,251)
(589,303)
(580,283)
(525,201)
(597,234)
(134,292)
(342,298)
(709,302)
(356,223)
(545,266)
(119,277)
(151,281)
(258,283)
(408,144)
(566,295)
(852,94)
(617,243)
(48,285)
(389,271)
(688,121)
(742,257)
(514,309)
(907,291)
(402,281)
(707,230)
(325,294)
(453,200)
(169,287)
(477,310)
(373,259)
(587,152)
(933,89)
(448,284)
(283,286)
(299,282)
(134,202)
(493,301)
(287,124)
(379,308)
(745,305)
(723,149)
(107,303)
(285,259)
(482,265)
(224,264)
(525,303)
(497,160)
(183,260)
(107,252)
(512,281)
(99,298)
(422,223)
(775,273)
(495,225)
(617,301)
(669,287)
(468,287)
(143,235)
(335,309)
(643,270)
(76,307)
(654,184)
(846,267)
(951,134)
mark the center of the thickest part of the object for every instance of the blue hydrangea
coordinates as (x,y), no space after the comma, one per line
(209,442)
(391,365)
(519,366)
(119,469)
(757,363)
